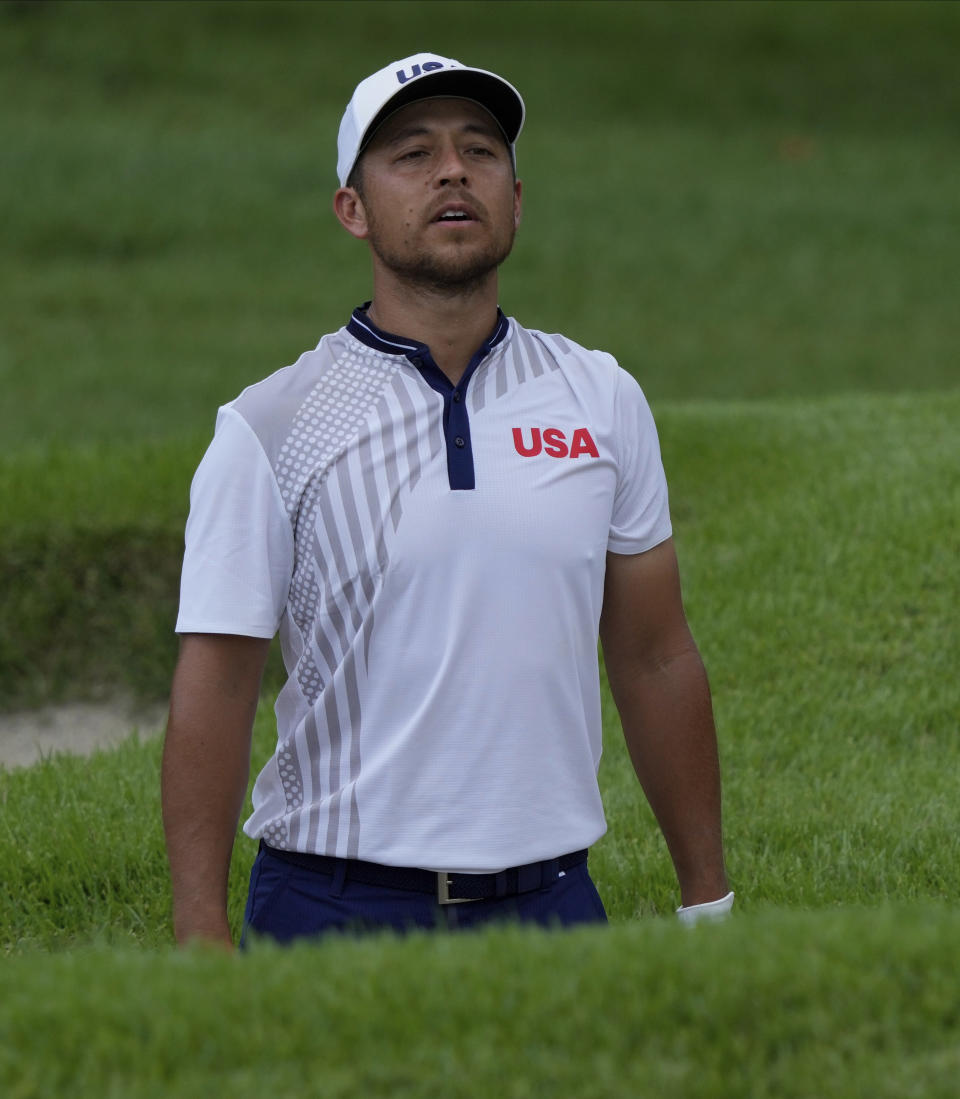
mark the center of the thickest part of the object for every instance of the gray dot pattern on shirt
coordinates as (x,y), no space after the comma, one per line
(332,415)
(275,833)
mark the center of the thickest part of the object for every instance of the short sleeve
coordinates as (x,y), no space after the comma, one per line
(238,557)
(641,511)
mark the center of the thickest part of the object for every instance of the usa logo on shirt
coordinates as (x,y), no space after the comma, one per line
(552,441)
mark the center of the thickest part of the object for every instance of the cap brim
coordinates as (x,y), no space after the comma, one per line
(491,92)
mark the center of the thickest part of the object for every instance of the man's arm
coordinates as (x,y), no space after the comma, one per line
(206,763)
(660,687)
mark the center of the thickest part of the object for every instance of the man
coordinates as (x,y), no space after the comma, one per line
(437,509)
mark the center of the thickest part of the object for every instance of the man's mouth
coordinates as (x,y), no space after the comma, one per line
(455,215)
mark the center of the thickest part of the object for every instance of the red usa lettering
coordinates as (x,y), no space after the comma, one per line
(552,441)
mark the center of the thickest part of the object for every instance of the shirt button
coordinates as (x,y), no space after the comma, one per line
(460,441)
(456,397)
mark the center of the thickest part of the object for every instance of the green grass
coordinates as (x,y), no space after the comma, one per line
(89,569)
(98,530)
(750,205)
(788,1004)
(818,544)
(737,200)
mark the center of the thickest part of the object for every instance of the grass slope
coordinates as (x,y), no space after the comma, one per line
(818,544)
(820,527)
(90,555)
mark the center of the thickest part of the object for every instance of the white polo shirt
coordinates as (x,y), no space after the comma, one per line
(433,558)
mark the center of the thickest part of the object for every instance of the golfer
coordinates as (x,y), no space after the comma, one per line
(438,510)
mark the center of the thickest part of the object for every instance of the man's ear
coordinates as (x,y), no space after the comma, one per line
(348,206)
(517,205)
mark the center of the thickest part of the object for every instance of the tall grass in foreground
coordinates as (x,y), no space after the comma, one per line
(797,1005)
(818,544)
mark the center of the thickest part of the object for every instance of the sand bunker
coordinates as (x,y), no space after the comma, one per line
(76,728)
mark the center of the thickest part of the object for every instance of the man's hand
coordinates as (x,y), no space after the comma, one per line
(206,763)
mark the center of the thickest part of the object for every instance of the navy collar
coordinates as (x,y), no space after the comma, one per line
(363,329)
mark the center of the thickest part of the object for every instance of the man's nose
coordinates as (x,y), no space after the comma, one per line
(452,167)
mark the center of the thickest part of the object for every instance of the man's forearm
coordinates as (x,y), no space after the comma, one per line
(206,761)
(668,725)
(203,784)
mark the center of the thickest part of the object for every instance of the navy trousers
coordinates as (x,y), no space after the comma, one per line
(289,901)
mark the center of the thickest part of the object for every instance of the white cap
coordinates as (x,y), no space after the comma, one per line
(422,76)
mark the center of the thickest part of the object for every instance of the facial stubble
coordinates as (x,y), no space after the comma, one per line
(449,273)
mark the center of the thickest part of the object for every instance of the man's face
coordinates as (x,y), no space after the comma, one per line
(439,195)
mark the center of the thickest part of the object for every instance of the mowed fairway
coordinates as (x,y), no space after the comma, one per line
(748,205)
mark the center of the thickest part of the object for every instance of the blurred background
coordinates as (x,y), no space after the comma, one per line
(737,199)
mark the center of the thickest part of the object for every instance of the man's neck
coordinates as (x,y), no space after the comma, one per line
(452,326)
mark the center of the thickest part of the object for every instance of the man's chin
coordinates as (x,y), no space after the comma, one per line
(452,273)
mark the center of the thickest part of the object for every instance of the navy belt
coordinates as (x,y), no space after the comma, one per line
(448,888)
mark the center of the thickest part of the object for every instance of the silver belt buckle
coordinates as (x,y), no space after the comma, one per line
(443,891)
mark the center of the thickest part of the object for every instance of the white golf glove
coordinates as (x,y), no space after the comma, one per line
(710,912)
